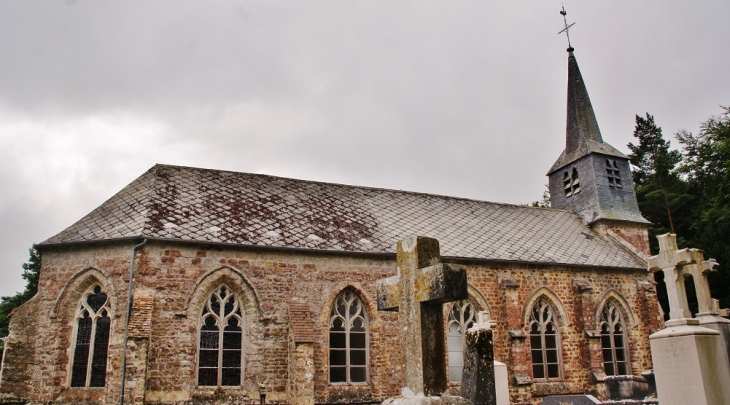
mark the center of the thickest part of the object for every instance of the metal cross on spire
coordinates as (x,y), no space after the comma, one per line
(567,28)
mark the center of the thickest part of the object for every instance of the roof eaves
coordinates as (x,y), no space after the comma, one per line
(384,255)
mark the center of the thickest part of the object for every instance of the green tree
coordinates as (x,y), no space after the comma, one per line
(706,165)
(545,200)
(660,190)
(31,273)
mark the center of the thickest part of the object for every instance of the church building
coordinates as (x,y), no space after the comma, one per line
(246,284)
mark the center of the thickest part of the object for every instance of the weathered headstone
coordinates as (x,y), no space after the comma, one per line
(570,400)
(709,311)
(690,363)
(501,383)
(478,384)
(418,290)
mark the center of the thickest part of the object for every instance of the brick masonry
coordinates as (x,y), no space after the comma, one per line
(173,280)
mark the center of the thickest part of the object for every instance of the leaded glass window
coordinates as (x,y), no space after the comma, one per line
(92,340)
(348,340)
(544,342)
(461,317)
(613,341)
(220,355)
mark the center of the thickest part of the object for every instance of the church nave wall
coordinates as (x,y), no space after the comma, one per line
(174,281)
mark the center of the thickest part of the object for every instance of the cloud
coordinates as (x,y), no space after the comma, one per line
(462,98)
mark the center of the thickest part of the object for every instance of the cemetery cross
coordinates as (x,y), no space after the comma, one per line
(418,291)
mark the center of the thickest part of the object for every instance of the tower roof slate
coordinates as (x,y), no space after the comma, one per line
(583,136)
(213,206)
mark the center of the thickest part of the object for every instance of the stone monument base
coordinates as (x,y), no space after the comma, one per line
(686,367)
(625,387)
(425,400)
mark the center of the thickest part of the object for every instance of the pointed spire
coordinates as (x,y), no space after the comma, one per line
(582,124)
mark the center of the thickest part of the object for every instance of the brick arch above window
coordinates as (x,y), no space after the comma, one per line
(369,303)
(77,285)
(476,298)
(552,298)
(620,302)
(231,277)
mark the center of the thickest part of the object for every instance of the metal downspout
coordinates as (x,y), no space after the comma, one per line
(126,325)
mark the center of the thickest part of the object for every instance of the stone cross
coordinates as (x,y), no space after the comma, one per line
(418,290)
(698,269)
(669,260)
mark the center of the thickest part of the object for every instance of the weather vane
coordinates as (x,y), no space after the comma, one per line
(567,27)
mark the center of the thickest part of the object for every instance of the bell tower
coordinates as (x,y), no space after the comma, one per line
(591,177)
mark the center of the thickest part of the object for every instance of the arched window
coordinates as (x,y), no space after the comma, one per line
(348,340)
(613,341)
(461,317)
(544,341)
(220,359)
(92,340)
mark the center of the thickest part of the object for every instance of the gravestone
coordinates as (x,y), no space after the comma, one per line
(709,311)
(418,291)
(570,400)
(478,382)
(690,361)
(501,383)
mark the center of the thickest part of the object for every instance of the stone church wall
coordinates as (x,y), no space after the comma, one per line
(177,278)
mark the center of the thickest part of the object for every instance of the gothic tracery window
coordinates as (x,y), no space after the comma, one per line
(613,341)
(544,341)
(348,340)
(462,316)
(220,359)
(92,340)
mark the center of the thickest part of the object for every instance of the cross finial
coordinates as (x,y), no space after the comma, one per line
(567,28)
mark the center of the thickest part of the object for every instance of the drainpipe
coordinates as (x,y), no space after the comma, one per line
(126,325)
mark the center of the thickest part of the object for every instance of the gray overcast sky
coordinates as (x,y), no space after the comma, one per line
(463,98)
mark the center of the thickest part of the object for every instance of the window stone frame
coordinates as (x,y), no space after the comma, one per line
(349,320)
(239,313)
(82,307)
(617,310)
(546,303)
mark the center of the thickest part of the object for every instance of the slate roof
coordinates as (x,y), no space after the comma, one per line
(582,134)
(182,203)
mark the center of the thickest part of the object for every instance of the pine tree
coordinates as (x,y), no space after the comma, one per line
(661,192)
(545,200)
(31,273)
(706,166)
